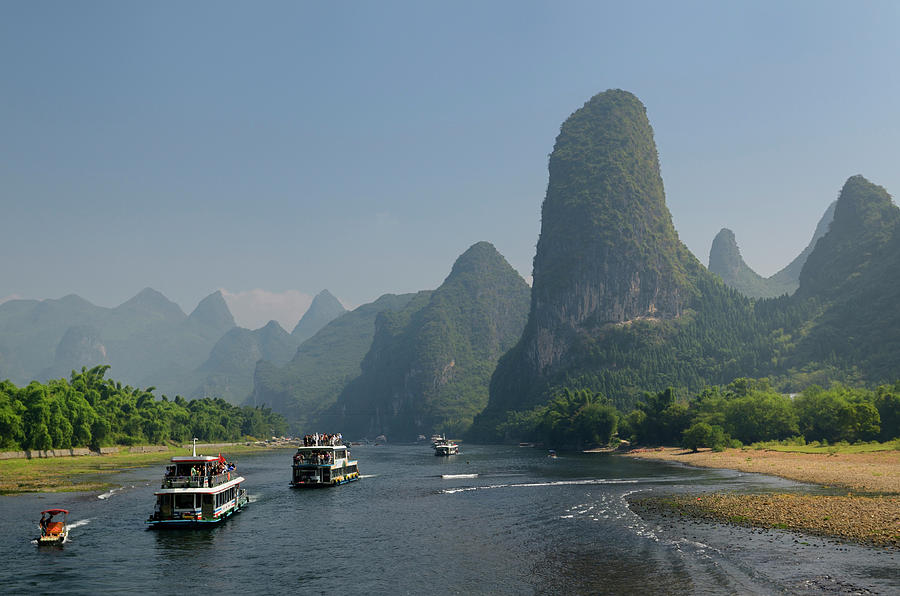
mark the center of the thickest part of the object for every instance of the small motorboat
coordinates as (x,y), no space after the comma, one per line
(53,533)
(551,454)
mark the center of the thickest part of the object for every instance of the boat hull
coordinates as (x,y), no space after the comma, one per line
(52,540)
(345,480)
(187,523)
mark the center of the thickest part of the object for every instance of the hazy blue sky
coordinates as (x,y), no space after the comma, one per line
(287,147)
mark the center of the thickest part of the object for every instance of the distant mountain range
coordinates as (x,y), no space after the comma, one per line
(618,306)
(148,341)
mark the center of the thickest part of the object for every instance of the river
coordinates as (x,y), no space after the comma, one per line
(491,520)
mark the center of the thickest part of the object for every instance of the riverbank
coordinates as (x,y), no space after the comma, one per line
(87,473)
(873,518)
(876,472)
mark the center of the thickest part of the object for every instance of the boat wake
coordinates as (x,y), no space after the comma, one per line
(454,476)
(113,491)
(79,523)
(368,475)
(451,491)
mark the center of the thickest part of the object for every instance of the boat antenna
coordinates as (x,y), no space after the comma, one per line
(195,447)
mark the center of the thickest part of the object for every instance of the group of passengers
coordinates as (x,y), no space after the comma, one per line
(314,458)
(202,470)
(323,439)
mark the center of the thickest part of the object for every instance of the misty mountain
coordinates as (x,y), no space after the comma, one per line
(228,372)
(324,309)
(147,340)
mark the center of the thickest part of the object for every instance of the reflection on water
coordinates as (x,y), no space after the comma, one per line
(498,520)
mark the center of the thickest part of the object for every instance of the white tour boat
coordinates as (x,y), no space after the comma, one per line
(198,490)
(445,447)
(323,461)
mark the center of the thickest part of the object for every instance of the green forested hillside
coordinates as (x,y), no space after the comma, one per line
(429,365)
(322,365)
(88,410)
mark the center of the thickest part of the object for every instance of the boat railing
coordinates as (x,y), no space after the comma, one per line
(195,481)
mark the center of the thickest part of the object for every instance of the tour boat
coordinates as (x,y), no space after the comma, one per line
(197,491)
(446,447)
(323,461)
(53,533)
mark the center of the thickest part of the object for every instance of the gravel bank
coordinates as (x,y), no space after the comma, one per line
(872,519)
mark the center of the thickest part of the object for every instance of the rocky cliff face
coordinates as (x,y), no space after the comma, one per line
(608,253)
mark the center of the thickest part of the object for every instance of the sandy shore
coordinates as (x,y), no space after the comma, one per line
(876,472)
(869,519)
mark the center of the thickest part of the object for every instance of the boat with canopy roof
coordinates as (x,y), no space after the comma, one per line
(53,533)
(197,491)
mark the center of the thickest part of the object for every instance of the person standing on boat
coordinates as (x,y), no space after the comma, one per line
(44,521)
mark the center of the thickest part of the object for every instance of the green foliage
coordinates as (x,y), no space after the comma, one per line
(701,434)
(89,410)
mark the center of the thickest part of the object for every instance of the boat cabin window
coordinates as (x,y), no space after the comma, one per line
(184,501)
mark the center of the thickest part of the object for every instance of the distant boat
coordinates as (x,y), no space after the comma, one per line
(552,453)
(446,447)
(53,533)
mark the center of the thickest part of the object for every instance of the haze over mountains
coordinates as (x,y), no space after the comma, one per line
(618,306)
(725,261)
(148,340)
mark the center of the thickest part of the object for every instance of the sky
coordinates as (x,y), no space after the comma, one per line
(275,149)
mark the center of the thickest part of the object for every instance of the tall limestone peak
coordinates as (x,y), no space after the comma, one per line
(324,309)
(213,314)
(608,252)
(865,219)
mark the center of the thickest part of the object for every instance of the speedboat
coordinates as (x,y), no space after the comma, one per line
(53,533)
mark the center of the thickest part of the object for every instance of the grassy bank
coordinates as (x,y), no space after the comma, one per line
(87,473)
(873,518)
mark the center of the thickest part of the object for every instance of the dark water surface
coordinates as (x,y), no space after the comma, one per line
(526,524)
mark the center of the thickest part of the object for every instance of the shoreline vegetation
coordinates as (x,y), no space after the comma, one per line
(87,473)
(869,513)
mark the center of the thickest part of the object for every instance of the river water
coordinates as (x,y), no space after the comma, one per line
(491,520)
